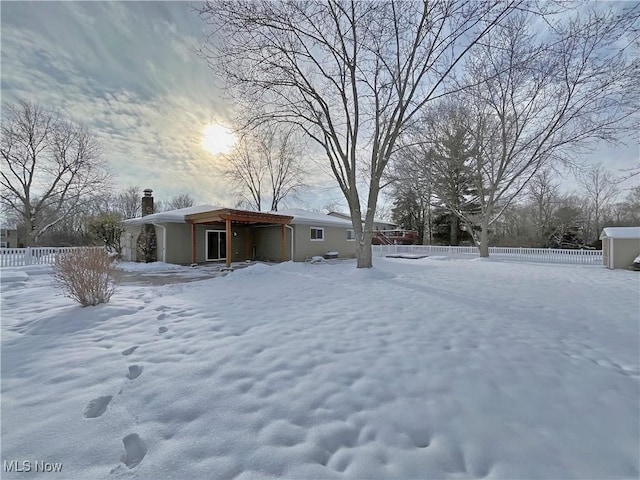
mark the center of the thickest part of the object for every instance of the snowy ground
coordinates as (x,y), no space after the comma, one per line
(431,368)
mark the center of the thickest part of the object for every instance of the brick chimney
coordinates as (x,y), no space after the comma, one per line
(147,202)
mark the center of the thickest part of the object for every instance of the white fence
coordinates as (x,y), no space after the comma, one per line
(18,257)
(545,255)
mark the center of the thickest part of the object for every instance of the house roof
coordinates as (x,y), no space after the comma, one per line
(621,232)
(237,216)
(340,215)
(348,217)
(212,213)
(171,216)
(302,217)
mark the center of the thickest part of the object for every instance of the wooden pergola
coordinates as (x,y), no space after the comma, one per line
(228,217)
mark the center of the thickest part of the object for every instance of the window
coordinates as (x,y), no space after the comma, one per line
(351,235)
(317,234)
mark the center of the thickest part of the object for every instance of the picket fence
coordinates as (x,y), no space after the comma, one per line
(544,255)
(18,257)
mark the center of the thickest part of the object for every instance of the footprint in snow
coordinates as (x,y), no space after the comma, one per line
(97,406)
(129,350)
(163,329)
(134,372)
(134,450)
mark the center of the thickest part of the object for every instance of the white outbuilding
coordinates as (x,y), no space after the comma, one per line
(620,246)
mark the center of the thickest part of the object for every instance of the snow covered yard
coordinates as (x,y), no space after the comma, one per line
(429,368)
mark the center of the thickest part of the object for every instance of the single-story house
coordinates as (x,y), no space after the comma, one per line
(207,233)
(620,246)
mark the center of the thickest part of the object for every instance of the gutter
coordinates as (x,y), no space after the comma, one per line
(291,228)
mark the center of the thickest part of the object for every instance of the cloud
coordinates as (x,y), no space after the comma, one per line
(128,72)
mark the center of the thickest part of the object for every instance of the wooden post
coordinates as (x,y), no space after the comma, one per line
(247,243)
(284,243)
(193,243)
(229,249)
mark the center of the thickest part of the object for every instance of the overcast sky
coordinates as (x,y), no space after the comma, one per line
(129,72)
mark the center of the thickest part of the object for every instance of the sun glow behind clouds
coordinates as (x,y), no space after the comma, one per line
(217,139)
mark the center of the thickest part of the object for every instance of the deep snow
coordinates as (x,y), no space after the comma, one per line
(414,369)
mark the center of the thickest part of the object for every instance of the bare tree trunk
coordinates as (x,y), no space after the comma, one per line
(29,229)
(364,255)
(426,233)
(484,238)
(454,230)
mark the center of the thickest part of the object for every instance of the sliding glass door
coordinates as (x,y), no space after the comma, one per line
(216,245)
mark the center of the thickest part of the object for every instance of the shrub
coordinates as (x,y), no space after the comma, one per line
(86,275)
(108,229)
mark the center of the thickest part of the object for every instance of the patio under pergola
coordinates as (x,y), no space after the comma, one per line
(229,217)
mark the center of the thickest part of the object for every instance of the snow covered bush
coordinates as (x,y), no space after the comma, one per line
(86,275)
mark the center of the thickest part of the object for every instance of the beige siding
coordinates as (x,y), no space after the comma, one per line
(625,250)
(134,231)
(335,240)
(268,243)
(179,243)
(178,248)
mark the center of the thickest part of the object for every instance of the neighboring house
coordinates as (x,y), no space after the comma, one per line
(377,224)
(620,246)
(206,233)
(385,233)
(9,237)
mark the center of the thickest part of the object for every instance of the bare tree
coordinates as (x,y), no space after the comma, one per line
(545,98)
(266,166)
(629,208)
(183,200)
(246,172)
(50,167)
(350,74)
(600,187)
(128,202)
(543,193)
(411,181)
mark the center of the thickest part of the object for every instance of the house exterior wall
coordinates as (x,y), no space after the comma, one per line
(625,250)
(128,242)
(335,240)
(9,238)
(179,242)
(268,242)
